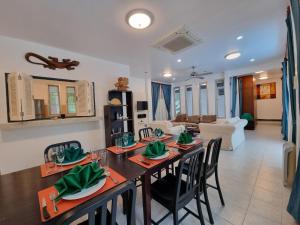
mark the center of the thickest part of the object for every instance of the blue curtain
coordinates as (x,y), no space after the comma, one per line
(155,95)
(296,15)
(291,74)
(285,102)
(294,201)
(167,96)
(233,82)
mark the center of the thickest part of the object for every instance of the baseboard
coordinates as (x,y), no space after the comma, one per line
(271,120)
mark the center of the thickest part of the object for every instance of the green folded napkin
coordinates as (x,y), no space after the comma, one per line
(158,132)
(155,149)
(247,116)
(78,178)
(130,139)
(185,138)
(73,154)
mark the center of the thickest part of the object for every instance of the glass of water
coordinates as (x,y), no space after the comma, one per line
(118,144)
(60,156)
(104,159)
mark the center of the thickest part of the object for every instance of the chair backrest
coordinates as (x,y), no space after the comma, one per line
(63,145)
(212,156)
(191,164)
(145,132)
(98,207)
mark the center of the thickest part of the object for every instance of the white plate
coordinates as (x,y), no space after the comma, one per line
(192,143)
(129,146)
(86,192)
(162,156)
(70,163)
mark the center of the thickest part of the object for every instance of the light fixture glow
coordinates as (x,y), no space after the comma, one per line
(179,60)
(258,72)
(252,60)
(263,78)
(139,18)
(167,75)
(232,55)
(239,37)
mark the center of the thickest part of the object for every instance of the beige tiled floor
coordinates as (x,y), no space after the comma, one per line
(251,180)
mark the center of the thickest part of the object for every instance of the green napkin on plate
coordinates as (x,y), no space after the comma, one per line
(78,178)
(127,138)
(155,149)
(185,138)
(73,154)
(158,132)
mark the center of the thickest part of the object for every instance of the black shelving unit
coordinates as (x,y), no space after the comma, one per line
(113,124)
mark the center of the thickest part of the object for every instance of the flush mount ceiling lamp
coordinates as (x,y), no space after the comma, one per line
(232,55)
(252,60)
(263,78)
(167,75)
(239,37)
(258,72)
(139,18)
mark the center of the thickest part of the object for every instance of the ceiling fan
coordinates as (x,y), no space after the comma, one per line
(194,74)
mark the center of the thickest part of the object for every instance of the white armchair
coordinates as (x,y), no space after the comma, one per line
(167,127)
(231,131)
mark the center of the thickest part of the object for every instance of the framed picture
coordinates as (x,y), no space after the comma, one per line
(266,91)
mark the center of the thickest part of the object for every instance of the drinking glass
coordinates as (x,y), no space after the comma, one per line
(125,139)
(51,163)
(118,144)
(60,156)
(94,155)
(104,160)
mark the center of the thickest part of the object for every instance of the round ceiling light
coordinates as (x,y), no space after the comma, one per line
(239,37)
(167,75)
(139,18)
(252,60)
(232,55)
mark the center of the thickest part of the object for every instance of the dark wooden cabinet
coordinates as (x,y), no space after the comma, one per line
(118,118)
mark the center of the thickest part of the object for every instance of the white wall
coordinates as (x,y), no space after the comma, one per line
(24,148)
(270,109)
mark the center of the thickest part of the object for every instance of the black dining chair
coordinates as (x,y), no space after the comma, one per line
(210,167)
(174,192)
(54,147)
(145,132)
(102,210)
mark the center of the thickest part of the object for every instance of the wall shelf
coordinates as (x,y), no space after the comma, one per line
(50,122)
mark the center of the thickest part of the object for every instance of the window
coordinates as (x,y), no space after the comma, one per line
(189,100)
(71,100)
(54,105)
(177,100)
(203,99)
(220,99)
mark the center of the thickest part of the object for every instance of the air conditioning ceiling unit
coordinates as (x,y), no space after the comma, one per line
(177,41)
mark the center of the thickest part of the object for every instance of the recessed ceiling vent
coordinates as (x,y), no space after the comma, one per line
(177,41)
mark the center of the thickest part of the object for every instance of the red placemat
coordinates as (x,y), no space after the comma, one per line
(46,171)
(117,151)
(174,144)
(65,205)
(136,159)
(149,139)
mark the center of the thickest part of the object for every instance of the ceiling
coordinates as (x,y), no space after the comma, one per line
(98,28)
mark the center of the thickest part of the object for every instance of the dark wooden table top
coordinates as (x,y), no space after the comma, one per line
(18,191)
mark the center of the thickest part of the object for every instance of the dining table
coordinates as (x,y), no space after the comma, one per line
(19,203)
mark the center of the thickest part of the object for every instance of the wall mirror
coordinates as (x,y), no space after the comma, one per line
(40,98)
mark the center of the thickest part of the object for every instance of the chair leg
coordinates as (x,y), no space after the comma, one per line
(175,217)
(219,187)
(211,219)
(199,209)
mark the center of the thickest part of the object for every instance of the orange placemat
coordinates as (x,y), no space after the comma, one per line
(66,205)
(173,144)
(136,159)
(149,139)
(46,172)
(117,151)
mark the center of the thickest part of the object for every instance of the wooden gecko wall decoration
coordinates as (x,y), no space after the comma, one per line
(52,62)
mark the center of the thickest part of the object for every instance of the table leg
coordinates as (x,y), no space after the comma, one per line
(146,183)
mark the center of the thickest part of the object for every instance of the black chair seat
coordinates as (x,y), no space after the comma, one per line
(164,190)
(98,219)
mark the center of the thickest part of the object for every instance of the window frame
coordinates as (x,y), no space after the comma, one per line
(67,103)
(207,102)
(217,94)
(186,87)
(174,94)
(49,100)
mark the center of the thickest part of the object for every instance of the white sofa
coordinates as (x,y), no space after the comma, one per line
(231,130)
(167,127)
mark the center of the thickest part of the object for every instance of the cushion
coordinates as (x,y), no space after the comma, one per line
(208,118)
(181,118)
(194,119)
